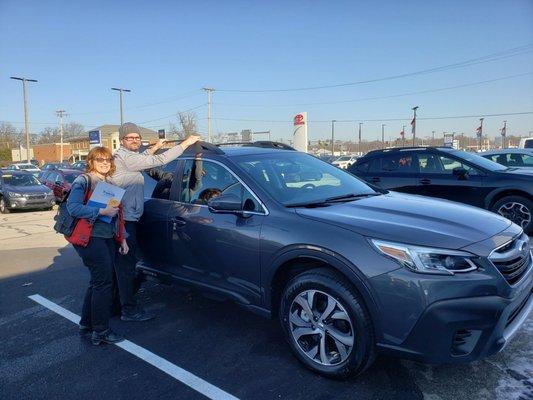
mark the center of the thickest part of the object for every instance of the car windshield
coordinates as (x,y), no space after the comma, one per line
(296,178)
(20,180)
(69,178)
(344,158)
(26,166)
(479,161)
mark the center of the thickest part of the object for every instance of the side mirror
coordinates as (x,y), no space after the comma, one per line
(460,173)
(225,203)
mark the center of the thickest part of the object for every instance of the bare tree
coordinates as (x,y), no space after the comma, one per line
(187,121)
(72,130)
(8,135)
(49,135)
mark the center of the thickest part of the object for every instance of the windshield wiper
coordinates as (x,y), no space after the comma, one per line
(330,200)
(349,196)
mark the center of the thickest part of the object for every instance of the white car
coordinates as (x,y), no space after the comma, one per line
(526,143)
(344,162)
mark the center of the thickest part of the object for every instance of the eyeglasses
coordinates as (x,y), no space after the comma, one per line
(103,160)
(131,138)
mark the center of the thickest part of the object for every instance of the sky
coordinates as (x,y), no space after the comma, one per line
(255,53)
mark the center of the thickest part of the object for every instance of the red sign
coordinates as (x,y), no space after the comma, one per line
(299,120)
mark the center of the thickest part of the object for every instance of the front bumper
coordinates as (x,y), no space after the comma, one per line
(473,324)
(22,203)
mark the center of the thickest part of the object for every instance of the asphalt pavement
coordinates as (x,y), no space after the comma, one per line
(216,345)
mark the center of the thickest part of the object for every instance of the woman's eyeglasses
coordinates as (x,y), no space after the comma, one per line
(103,160)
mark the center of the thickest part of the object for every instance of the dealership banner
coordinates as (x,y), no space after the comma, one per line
(300,132)
(95,138)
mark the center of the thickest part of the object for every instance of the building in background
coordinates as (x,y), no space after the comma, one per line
(51,152)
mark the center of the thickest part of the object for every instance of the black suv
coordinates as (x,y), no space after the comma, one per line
(453,175)
(350,270)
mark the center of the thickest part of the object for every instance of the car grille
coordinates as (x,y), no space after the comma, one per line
(512,259)
(35,196)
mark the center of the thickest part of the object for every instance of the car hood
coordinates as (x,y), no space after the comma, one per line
(27,189)
(412,219)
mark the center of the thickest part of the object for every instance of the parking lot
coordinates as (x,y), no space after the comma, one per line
(195,348)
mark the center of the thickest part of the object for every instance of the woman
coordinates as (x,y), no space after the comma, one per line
(99,255)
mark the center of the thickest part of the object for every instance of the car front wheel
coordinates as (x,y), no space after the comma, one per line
(518,209)
(327,325)
(3,206)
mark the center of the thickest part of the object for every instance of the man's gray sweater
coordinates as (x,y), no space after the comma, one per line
(128,176)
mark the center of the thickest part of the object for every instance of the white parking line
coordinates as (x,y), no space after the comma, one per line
(167,367)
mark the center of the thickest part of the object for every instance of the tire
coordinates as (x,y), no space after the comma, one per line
(518,209)
(327,287)
(3,206)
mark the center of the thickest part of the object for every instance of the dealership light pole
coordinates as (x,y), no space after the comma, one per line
(333,137)
(26,123)
(121,109)
(382,136)
(61,114)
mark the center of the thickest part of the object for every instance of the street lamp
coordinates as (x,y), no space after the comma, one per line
(26,124)
(333,137)
(359,147)
(382,136)
(121,111)
(413,124)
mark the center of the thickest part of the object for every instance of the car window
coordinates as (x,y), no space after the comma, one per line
(69,178)
(362,167)
(519,160)
(20,180)
(204,180)
(53,177)
(449,164)
(401,162)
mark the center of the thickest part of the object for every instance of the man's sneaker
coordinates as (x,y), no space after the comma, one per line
(85,330)
(107,336)
(138,316)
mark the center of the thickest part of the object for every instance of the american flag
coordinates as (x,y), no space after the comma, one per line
(478,131)
(413,123)
(504,130)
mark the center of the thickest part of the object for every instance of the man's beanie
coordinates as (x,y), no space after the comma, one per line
(128,127)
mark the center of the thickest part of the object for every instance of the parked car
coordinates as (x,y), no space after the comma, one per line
(55,165)
(79,165)
(521,158)
(328,158)
(23,167)
(344,162)
(453,175)
(526,143)
(21,190)
(59,181)
(349,269)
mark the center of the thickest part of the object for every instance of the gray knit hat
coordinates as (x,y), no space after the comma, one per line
(128,127)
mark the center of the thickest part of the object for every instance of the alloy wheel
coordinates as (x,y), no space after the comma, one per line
(2,205)
(321,327)
(516,212)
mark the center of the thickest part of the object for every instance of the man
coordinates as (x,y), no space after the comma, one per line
(129,164)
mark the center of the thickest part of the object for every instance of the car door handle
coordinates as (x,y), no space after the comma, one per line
(425,181)
(177,222)
(375,179)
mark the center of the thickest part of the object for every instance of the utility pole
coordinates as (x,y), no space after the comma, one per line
(121,109)
(359,146)
(26,123)
(208,90)
(413,124)
(333,137)
(60,114)
(504,133)
(481,133)
(403,135)
(382,136)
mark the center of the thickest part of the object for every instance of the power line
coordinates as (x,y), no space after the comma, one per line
(474,61)
(380,97)
(380,119)
(174,114)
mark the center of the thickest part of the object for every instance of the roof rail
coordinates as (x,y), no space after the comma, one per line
(267,144)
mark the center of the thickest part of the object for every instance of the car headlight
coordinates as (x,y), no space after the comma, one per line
(14,194)
(426,259)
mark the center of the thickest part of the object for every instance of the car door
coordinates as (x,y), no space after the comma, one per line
(218,250)
(393,171)
(438,179)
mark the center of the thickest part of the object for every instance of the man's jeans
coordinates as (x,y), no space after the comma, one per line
(127,279)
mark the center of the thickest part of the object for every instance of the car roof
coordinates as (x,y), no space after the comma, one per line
(4,172)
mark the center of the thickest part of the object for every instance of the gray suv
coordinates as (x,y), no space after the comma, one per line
(350,270)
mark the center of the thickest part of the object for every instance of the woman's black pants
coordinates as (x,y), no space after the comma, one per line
(99,258)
